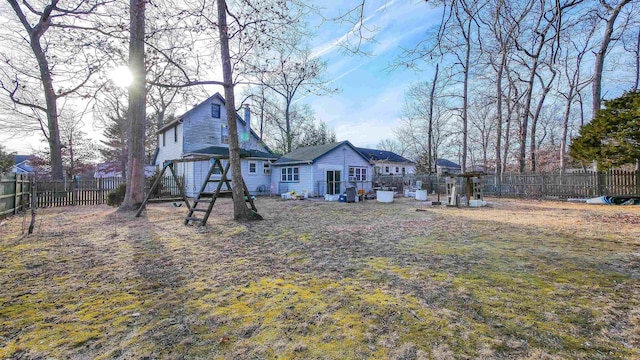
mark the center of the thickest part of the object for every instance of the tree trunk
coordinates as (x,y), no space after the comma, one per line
(565,130)
(637,49)
(240,209)
(430,131)
(600,55)
(534,121)
(55,146)
(465,98)
(503,60)
(137,105)
(287,118)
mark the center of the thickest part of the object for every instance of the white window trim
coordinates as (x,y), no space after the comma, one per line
(219,110)
(285,175)
(266,168)
(358,173)
(255,167)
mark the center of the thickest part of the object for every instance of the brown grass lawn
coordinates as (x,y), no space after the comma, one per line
(518,279)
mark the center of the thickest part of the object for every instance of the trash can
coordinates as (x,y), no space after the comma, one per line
(351,194)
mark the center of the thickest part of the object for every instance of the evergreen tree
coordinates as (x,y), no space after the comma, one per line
(613,137)
(317,136)
(6,160)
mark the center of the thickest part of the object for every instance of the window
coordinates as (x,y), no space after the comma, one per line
(215,111)
(253,167)
(175,134)
(386,169)
(404,171)
(397,170)
(357,173)
(290,174)
(266,168)
(224,137)
(164,138)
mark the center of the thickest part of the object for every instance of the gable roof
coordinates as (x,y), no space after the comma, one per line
(21,163)
(217,95)
(447,163)
(223,151)
(307,155)
(384,155)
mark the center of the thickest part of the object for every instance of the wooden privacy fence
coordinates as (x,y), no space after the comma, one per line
(552,185)
(14,193)
(16,190)
(54,193)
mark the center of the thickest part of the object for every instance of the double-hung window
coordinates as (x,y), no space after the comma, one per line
(266,166)
(253,167)
(358,173)
(215,111)
(290,174)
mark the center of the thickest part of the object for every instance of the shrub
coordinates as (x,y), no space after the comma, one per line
(116,197)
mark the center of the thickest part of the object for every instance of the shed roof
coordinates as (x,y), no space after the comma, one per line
(310,154)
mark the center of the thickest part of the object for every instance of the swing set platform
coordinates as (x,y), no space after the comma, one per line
(204,197)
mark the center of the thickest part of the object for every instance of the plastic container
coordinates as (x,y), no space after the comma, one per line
(384,196)
(421,195)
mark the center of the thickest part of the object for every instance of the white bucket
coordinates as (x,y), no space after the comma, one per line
(421,195)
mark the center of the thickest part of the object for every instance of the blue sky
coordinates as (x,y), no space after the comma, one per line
(369,105)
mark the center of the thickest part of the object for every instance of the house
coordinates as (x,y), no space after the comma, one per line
(22,164)
(203,130)
(444,167)
(388,162)
(323,169)
(113,169)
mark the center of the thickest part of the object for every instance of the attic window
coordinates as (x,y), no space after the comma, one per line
(215,111)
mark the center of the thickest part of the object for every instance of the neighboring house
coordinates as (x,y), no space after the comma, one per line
(113,169)
(444,167)
(203,130)
(22,164)
(323,169)
(388,162)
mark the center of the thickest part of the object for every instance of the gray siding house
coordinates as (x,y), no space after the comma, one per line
(203,130)
(323,169)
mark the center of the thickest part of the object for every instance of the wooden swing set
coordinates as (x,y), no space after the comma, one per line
(202,197)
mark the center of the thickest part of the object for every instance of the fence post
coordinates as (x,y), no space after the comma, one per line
(638,182)
(15,194)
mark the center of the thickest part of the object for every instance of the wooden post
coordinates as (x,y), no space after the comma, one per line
(15,194)
(638,182)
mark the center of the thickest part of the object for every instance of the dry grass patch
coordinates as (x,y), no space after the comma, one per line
(519,279)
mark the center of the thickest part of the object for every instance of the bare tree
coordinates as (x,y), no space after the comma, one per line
(49,49)
(290,71)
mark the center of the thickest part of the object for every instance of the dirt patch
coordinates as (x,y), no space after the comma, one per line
(517,279)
